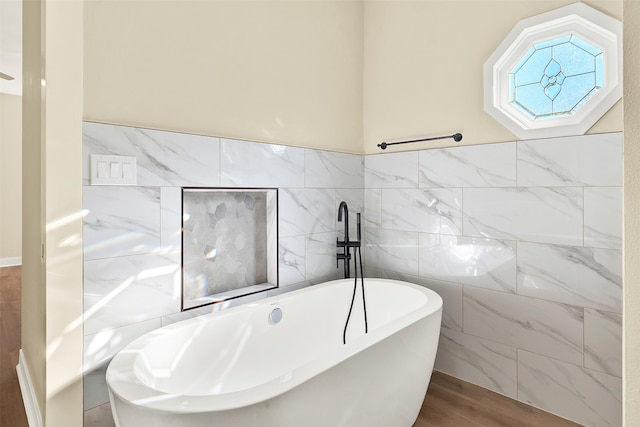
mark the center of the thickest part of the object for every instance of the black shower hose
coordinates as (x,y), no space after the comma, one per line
(358,252)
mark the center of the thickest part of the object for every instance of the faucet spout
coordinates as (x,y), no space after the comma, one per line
(344,208)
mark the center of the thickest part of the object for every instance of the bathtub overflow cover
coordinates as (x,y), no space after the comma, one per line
(275,316)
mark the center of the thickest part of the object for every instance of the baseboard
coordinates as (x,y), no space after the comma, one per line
(10,262)
(28,393)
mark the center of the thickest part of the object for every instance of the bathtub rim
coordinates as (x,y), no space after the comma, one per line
(123,382)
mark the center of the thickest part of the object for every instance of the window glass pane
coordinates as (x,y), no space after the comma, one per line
(586,46)
(533,69)
(524,59)
(533,100)
(573,59)
(574,89)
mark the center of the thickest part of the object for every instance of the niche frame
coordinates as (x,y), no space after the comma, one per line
(272,248)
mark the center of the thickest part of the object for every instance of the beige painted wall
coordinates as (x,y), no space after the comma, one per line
(631,308)
(287,72)
(423,68)
(63,211)
(10,177)
(33,283)
(52,204)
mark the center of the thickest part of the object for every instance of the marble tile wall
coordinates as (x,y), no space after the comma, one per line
(132,242)
(523,242)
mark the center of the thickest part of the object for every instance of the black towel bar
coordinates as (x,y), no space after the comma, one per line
(457,137)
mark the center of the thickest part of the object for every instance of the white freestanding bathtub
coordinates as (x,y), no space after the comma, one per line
(237,367)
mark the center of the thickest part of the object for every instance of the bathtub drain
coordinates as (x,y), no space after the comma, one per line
(275,316)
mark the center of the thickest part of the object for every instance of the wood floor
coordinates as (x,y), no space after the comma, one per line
(11,407)
(450,402)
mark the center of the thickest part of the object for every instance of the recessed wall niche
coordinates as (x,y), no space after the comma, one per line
(229,243)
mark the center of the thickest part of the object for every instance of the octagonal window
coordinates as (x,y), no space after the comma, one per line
(556,73)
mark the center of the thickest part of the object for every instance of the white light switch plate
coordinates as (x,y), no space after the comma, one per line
(113,170)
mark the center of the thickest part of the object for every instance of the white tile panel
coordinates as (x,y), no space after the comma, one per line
(250,164)
(603,217)
(321,255)
(306,211)
(433,210)
(544,327)
(487,165)
(590,398)
(326,169)
(486,363)
(545,215)
(395,170)
(485,263)
(586,277)
(373,208)
(292,260)
(603,341)
(392,250)
(588,160)
(120,221)
(122,291)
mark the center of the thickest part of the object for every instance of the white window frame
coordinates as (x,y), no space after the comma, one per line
(592,26)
